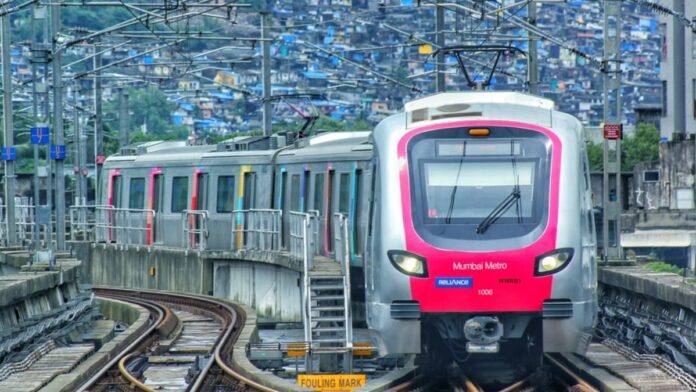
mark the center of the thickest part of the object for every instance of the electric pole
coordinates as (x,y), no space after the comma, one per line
(123,117)
(266,70)
(98,130)
(440,40)
(533,58)
(77,147)
(59,133)
(612,118)
(8,128)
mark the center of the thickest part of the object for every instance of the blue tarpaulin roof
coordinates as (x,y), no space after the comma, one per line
(222,96)
(314,75)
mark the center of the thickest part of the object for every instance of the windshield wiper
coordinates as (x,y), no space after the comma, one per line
(453,195)
(510,200)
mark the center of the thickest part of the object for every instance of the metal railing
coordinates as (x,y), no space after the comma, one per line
(303,226)
(24,220)
(194,224)
(256,229)
(82,220)
(124,226)
(341,239)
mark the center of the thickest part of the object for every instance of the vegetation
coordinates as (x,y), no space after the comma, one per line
(661,266)
(642,146)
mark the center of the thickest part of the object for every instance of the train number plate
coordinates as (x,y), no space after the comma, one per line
(482,348)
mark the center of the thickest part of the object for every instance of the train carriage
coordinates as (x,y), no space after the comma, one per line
(481,237)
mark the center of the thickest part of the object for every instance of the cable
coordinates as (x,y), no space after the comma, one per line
(661,9)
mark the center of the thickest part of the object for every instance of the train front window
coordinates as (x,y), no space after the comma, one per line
(468,188)
(471,190)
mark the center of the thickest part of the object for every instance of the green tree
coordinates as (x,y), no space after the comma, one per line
(150,106)
(643,146)
(595,156)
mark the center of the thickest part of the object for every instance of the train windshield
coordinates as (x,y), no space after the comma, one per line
(474,188)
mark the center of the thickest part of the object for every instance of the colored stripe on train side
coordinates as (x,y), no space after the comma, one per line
(194,204)
(240,203)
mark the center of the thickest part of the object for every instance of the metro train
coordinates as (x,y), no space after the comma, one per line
(469,214)
(481,237)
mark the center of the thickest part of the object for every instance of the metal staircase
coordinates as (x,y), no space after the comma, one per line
(327,320)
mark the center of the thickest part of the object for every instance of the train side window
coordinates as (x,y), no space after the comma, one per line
(202,192)
(136,194)
(179,193)
(344,193)
(225,194)
(116,192)
(357,213)
(249,191)
(295,193)
(318,192)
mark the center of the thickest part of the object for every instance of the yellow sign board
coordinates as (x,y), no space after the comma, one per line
(362,349)
(297,349)
(425,49)
(332,382)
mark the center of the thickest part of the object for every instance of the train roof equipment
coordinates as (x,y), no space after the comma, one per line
(444,106)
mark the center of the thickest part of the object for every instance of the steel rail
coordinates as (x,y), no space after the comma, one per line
(131,378)
(161,315)
(230,314)
(580,383)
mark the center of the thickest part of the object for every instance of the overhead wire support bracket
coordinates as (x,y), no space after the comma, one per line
(457,51)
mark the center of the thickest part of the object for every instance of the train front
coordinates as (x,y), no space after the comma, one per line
(476,245)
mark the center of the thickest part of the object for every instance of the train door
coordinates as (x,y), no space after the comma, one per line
(328,216)
(284,198)
(344,198)
(356,214)
(113,199)
(246,201)
(249,190)
(199,202)
(317,205)
(154,204)
(136,205)
(304,190)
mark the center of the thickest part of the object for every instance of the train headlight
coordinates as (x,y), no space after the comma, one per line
(408,263)
(552,262)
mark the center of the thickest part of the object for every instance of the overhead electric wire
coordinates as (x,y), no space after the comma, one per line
(661,9)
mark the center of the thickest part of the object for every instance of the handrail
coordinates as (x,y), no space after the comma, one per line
(256,229)
(346,286)
(194,224)
(124,226)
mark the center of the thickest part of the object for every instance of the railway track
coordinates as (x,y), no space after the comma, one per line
(557,376)
(180,314)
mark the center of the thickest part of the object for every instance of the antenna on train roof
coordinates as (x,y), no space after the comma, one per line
(457,51)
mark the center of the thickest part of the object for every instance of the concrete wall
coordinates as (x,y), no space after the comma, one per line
(175,270)
(676,167)
(272,290)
